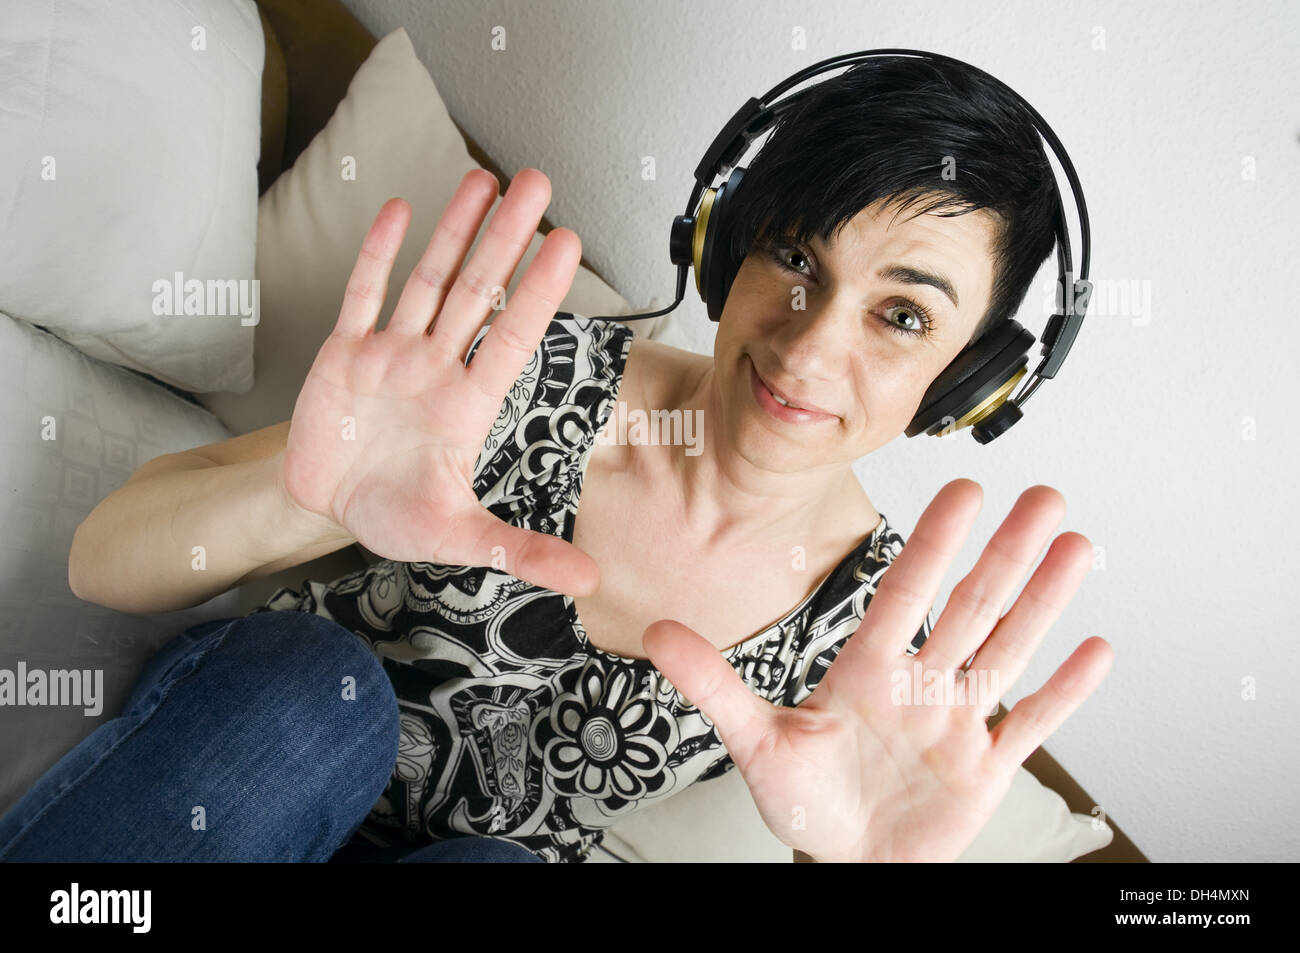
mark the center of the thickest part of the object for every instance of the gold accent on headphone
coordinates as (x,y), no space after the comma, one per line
(701,226)
(987,406)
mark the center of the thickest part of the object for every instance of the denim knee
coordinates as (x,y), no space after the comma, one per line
(325,709)
(321,671)
(270,738)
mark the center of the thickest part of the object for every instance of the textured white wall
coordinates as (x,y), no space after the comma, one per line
(1147,430)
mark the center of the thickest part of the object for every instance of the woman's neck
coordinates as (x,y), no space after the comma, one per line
(723,499)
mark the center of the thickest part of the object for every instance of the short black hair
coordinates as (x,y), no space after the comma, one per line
(884,129)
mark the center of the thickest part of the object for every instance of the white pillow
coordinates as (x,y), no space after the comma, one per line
(394,130)
(105,422)
(130,156)
(717,822)
(1034,824)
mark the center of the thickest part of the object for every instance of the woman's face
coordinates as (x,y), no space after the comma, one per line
(839,352)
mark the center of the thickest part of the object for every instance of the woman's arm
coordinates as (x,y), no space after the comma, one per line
(384,437)
(137,551)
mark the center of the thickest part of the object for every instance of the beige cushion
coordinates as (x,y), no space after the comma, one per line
(716,821)
(394,128)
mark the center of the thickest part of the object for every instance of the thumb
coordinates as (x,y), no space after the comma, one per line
(697,670)
(475,537)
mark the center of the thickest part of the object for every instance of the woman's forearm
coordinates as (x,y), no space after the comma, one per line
(182,534)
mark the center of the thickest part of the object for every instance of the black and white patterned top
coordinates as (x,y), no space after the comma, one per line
(512,725)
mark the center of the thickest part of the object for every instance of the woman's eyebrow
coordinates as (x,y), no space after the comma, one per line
(912,275)
(909,275)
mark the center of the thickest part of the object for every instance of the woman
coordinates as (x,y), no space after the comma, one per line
(521,678)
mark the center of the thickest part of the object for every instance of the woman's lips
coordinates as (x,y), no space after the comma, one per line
(792,415)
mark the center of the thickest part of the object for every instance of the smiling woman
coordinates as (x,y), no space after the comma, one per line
(820,327)
(575,627)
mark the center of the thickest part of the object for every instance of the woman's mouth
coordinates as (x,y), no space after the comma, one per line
(773,405)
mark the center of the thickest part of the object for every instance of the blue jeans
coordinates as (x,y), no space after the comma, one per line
(263,738)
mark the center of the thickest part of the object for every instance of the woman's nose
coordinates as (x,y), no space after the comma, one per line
(813,343)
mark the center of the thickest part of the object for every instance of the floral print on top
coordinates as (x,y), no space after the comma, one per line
(512,725)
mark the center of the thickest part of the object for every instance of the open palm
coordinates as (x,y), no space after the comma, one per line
(388,425)
(862,772)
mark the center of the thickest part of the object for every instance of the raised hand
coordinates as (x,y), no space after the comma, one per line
(388,425)
(859,771)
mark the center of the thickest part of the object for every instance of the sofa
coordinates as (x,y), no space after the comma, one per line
(94,386)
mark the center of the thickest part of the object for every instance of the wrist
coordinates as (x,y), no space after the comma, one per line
(294,521)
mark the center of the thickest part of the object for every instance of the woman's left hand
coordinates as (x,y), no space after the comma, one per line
(862,772)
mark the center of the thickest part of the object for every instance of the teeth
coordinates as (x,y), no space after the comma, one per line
(783,403)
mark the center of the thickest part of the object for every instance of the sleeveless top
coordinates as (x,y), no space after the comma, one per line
(512,725)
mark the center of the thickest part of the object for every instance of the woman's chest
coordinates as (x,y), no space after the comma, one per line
(649,572)
(616,617)
(635,593)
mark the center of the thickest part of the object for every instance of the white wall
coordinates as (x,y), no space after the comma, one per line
(1146,429)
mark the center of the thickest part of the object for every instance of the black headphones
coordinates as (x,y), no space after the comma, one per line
(973,389)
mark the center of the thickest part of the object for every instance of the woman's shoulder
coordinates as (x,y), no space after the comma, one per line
(654,369)
(575,352)
(554,408)
(848,590)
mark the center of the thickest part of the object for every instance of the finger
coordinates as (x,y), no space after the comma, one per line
(705,679)
(1017,636)
(1036,716)
(906,591)
(517,331)
(368,284)
(477,538)
(438,267)
(509,232)
(976,603)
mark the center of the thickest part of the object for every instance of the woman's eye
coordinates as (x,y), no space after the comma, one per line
(908,314)
(785,255)
(918,315)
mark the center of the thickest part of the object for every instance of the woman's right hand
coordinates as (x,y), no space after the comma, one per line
(389,424)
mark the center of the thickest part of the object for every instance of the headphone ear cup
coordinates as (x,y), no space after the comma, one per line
(717,267)
(976,383)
